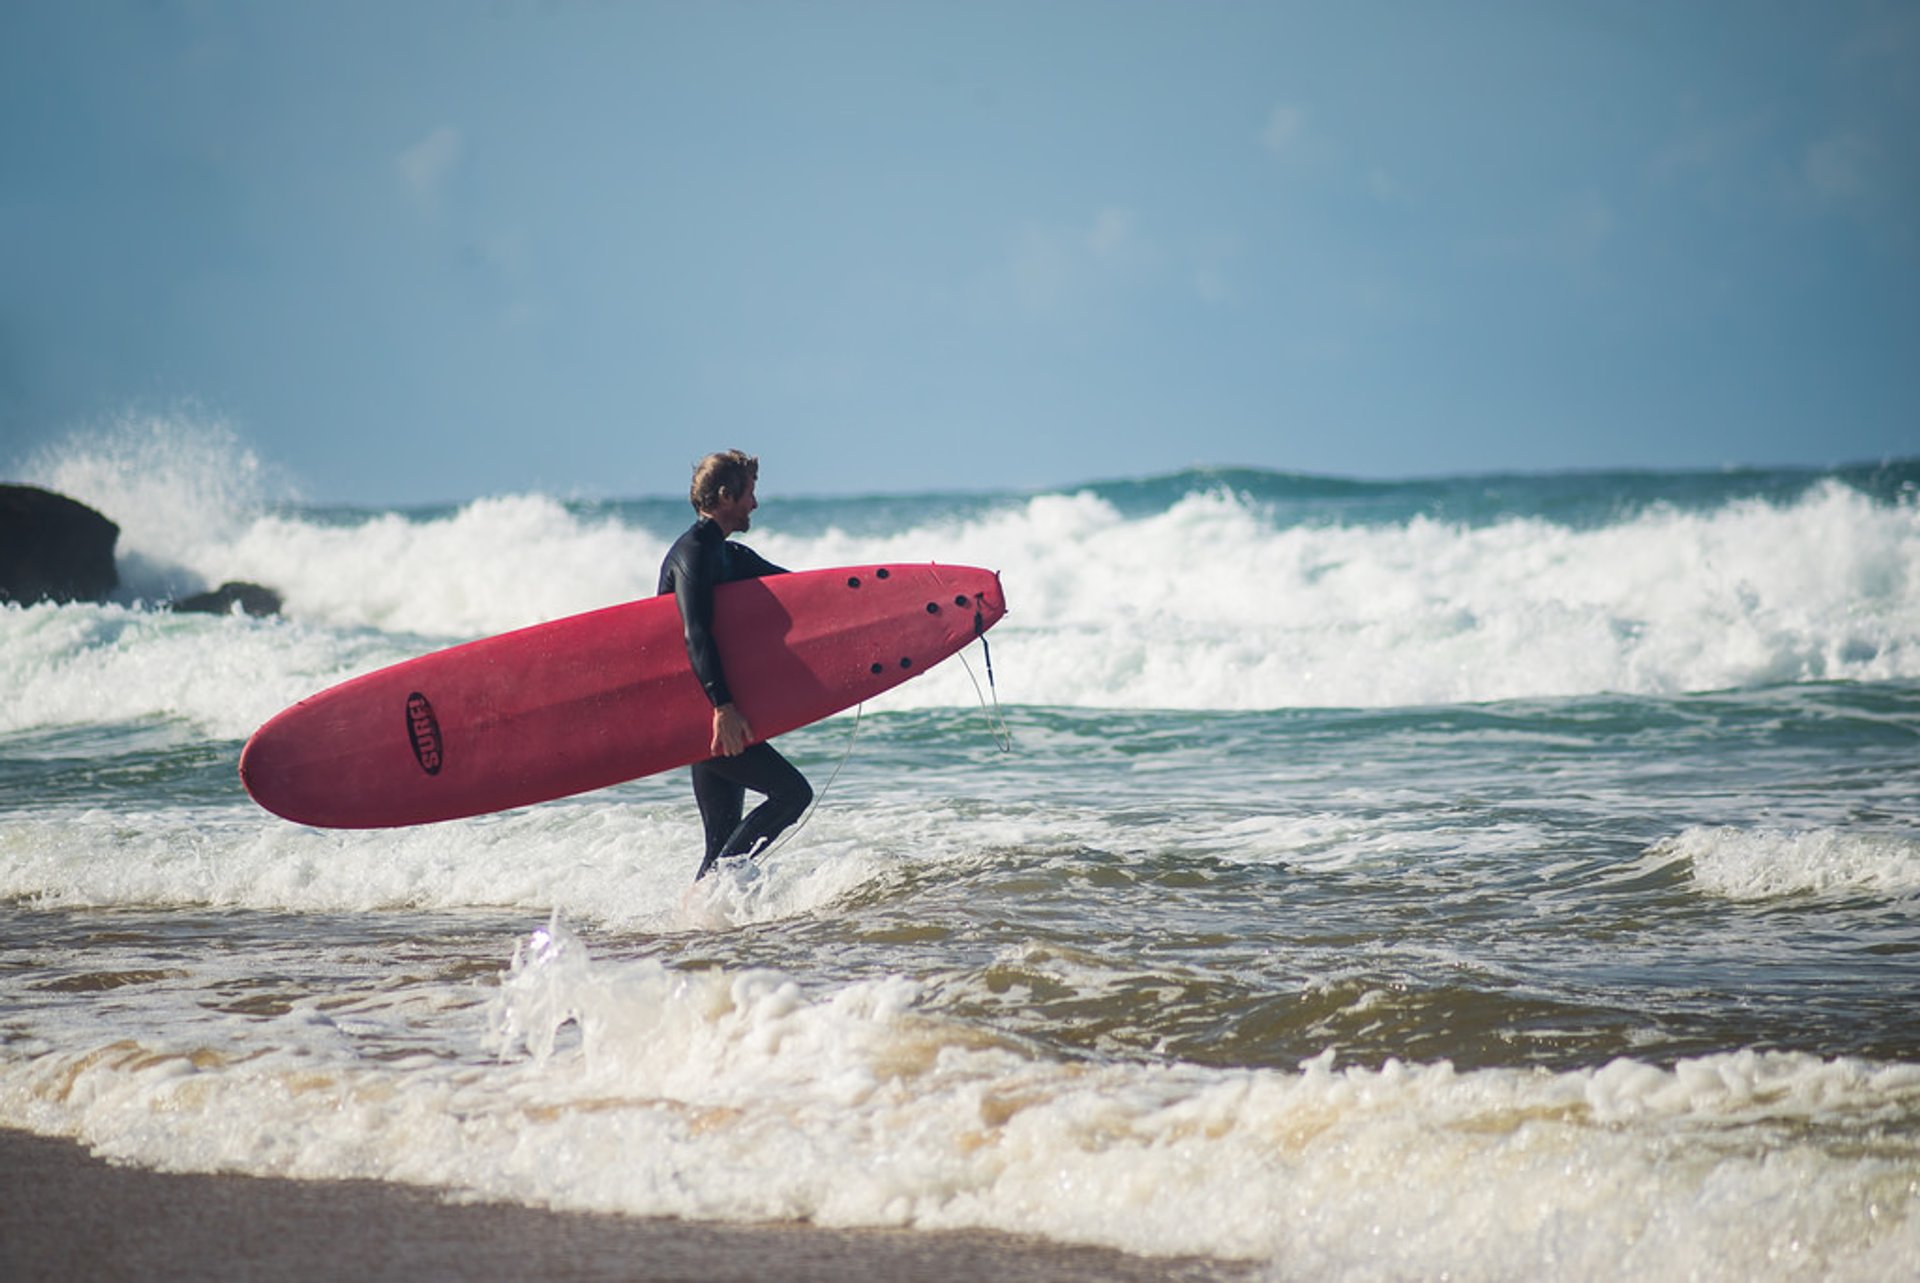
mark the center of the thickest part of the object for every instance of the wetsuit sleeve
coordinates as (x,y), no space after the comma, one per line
(748,564)
(693,570)
(700,561)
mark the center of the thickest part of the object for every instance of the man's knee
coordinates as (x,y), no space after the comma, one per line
(800,796)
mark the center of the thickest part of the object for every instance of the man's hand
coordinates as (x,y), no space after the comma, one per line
(731,734)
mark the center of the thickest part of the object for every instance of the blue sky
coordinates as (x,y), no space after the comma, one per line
(419,251)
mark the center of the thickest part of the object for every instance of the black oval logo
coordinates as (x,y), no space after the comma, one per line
(423,728)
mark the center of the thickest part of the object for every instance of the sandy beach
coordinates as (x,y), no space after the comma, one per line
(66,1215)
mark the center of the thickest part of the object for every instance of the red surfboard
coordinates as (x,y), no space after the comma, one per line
(594,699)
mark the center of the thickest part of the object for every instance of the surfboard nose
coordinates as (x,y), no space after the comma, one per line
(979,589)
(992,601)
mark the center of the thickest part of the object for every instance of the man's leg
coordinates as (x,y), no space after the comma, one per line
(762,769)
(720,800)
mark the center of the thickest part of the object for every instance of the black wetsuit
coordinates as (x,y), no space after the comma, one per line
(700,560)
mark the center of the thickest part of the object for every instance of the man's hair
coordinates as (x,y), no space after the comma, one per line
(729,470)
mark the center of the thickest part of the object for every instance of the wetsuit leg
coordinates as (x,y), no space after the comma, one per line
(721,800)
(762,769)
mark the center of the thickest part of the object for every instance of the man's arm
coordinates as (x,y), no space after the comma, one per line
(748,564)
(693,584)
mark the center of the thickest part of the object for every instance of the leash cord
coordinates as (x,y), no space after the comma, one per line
(996,720)
(819,795)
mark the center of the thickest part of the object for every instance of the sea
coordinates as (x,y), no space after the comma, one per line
(1478,877)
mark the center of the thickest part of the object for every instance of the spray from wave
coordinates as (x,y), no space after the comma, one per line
(181,487)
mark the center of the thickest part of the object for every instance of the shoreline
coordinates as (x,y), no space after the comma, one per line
(65,1214)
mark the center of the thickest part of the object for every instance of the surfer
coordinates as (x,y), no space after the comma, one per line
(723,495)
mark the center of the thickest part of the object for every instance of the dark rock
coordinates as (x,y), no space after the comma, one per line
(251,598)
(53,548)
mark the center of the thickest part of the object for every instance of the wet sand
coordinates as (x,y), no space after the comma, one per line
(65,1215)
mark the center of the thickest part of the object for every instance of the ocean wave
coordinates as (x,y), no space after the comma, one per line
(1761,864)
(1208,605)
(1582,500)
(1205,590)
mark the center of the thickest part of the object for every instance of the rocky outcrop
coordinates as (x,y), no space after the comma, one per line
(53,548)
(251,598)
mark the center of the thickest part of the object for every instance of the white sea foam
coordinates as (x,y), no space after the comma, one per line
(624,1086)
(1760,864)
(622,860)
(497,563)
(1209,603)
(85,664)
(1206,606)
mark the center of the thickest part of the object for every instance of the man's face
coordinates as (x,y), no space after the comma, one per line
(734,513)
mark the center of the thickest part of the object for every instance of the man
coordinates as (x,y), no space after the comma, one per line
(700,560)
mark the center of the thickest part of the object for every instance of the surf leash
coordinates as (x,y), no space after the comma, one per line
(996,720)
(819,796)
